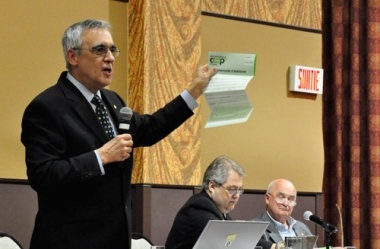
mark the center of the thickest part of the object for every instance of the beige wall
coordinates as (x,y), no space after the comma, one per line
(32,59)
(119,20)
(283,137)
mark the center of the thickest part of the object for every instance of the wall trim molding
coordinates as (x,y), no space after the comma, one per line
(249,20)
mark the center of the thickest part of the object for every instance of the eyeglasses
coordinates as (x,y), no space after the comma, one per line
(232,191)
(283,200)
(102,50)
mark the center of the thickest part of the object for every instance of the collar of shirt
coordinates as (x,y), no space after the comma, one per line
(86,93)
(224,216)
(284,232)
(89,95)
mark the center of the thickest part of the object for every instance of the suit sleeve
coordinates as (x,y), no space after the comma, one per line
(147,130)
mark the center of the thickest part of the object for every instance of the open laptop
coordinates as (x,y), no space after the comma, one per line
(231,234)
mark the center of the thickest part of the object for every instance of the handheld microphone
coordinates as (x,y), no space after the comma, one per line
(327,226)
(125,118)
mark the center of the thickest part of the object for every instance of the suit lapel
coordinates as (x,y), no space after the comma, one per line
(82,108)
(298,230)
(275,236)
(272,230)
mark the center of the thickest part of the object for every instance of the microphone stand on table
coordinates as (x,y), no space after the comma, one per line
(328,238)
(329,229)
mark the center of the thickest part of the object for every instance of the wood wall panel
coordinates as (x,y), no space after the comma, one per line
(154,208)
(166,200)
(18,208)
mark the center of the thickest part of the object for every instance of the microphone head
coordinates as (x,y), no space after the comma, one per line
(307,215)
(126,113)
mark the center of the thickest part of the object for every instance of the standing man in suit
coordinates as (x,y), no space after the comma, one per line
(81,174)
(281,198)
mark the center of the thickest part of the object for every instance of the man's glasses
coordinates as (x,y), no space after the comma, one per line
(232,191)
(102,50)
(283,200)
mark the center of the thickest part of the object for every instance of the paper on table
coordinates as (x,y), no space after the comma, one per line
(225,94)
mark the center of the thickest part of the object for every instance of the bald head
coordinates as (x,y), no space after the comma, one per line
(280,199)
(279,183)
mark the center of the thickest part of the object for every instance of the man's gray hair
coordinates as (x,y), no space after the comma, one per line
(270,187)
(218,170)
(72,38)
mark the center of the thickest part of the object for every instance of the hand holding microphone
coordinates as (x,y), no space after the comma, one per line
(119,148)
(327,226)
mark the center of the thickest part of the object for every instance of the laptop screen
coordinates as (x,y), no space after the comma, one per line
(231,234)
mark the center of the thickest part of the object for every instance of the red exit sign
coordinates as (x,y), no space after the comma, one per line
(306,79)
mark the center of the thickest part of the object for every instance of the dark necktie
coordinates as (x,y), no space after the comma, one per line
(101,112)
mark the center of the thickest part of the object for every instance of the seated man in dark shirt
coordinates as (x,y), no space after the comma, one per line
(221,190)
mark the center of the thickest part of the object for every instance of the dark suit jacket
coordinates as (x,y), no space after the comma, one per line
(192,218)
(77,206)
(271,234)
(190,221)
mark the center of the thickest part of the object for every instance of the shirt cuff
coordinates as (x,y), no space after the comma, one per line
(190,101)
(99,162)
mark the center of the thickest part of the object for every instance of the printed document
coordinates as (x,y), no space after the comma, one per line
(225,94)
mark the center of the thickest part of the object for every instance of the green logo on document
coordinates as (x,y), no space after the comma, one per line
(217,59)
